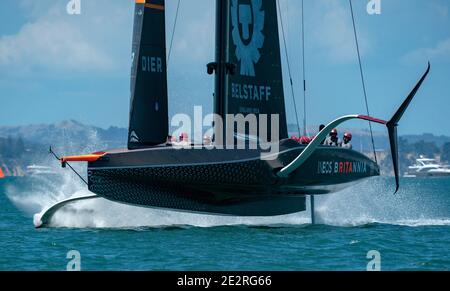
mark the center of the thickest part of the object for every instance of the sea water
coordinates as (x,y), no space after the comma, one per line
(407,231)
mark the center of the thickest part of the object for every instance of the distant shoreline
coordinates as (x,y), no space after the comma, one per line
(21,146)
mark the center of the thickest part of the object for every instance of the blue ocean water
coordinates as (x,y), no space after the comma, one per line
(410,230)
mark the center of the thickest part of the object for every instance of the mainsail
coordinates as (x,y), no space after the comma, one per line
(249,75)
(149,105)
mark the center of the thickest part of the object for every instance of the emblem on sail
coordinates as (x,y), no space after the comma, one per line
(248,16)
(134,137)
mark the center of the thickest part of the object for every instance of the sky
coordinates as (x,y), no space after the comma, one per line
(55,66)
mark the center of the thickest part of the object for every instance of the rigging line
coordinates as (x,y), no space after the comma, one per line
(304,71)
(73,170)
(363,79)
(173,32)
(289,68)
(288,24)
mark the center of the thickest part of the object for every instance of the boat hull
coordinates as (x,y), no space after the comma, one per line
(225,182)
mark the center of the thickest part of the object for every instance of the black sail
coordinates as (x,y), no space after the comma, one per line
(249,77)
(149,104)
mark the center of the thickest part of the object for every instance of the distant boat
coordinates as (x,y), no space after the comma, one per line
(425,167)
(2,175)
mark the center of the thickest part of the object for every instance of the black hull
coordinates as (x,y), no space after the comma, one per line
(225,182)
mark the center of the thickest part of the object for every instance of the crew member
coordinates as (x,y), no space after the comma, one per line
(347,141)
(170,140)
(184,137)
(183,140)
(332,139)
(207,140)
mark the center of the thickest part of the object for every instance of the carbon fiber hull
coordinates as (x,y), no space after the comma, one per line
(225,182)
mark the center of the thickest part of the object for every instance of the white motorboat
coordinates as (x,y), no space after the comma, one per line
(426,167)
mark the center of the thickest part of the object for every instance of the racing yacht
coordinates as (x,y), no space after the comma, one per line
(223,179)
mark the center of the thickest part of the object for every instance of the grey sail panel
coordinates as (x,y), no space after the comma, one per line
(149,104)
(253,46)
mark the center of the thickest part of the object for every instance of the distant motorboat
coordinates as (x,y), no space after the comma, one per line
(426,167)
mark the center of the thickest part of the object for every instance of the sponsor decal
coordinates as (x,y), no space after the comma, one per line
(251,92)
(152,64)
(248,23)
(134,138)
(344,167)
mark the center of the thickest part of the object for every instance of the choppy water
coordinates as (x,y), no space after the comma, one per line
(411,231)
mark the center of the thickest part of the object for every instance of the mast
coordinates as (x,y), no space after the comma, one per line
(222,37)
(305,125)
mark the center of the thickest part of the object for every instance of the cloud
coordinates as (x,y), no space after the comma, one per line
(99,40)
(53,41)
(53,45)
(195,32)
(441,53)
(332,31)
(329,29)
(439,8)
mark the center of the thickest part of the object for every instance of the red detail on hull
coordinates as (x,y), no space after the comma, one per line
(372,119)
(302,139)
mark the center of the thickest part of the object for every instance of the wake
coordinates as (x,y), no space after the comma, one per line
(371,202)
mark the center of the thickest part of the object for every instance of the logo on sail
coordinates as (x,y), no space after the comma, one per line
(134,138)
(250,18)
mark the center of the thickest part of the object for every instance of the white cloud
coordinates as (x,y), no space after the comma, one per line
(54,45)
(441,53)
(333,31)
(329,29)
(195,35)
(439,8)
(53,41)
(100,39)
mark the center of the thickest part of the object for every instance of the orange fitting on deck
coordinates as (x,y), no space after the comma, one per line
(85,158)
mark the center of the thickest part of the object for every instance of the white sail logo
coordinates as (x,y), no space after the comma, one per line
(134,138)
(248,54)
